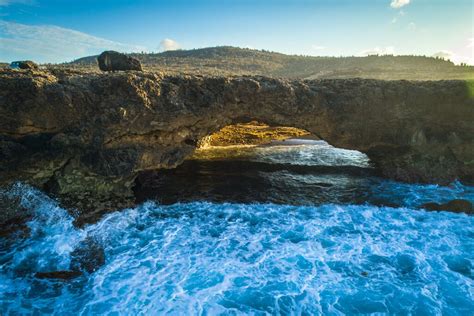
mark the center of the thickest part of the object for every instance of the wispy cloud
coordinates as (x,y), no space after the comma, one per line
(169,44)
(470,42)
(397,4)
(9,2)
(411,26)
(388,50)
(49,43)
(400,15)
(443,54)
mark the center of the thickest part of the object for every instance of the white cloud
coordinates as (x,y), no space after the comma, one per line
(455,58)
(318,47)
(400,15)
(389,50)
(411,26)
(445,54)
(169,44)
(397,4)
(470,42)
(49,43)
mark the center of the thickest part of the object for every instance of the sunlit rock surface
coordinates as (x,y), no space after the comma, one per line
(86,136)
(251,133)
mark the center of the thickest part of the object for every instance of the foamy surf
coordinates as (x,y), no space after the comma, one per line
(206,258)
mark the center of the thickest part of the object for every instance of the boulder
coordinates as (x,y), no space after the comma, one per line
(112,61)
(24,64)
(456,206)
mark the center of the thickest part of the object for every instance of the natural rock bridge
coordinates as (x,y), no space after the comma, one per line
(86,136)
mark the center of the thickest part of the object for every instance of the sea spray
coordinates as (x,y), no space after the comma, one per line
(246,258)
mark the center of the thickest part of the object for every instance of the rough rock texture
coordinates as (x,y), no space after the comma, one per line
(88,256)
(457,206)
(27,64)
(85,137)
(252,133)
(112,61)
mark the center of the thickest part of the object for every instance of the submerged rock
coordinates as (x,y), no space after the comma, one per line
(88,256)
(13,216)
(61,275)
(112,61)
(456,206)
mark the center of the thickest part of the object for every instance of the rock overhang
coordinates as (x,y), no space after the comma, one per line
(89,134)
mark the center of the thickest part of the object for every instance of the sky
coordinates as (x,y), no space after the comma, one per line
(61,31)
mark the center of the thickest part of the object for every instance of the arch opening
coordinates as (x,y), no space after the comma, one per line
(254,161)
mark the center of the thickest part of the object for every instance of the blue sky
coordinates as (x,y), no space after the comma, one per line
(59,30)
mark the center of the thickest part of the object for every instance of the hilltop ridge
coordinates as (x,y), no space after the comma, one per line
(227,60)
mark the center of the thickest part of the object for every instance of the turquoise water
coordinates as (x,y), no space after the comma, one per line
(291,230)
(205,258)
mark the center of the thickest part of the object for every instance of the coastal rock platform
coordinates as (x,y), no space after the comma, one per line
(84,137)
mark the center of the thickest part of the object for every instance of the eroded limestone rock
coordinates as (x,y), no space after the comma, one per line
(457,206)
(85,136)
(252,133)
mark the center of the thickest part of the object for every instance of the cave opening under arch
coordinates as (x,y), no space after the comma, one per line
(252,161)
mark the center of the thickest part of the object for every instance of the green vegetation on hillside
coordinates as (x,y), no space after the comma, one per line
(227,60)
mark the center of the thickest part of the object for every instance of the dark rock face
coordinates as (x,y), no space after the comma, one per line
(88,256)
(112,61)
(85,137)
(26,64)
(457,206)
(59,275)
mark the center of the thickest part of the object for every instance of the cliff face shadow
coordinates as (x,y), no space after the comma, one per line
(254,182)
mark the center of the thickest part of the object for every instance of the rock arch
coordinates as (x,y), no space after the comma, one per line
(89,134)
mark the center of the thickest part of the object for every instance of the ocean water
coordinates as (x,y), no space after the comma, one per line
(305,152)
(258,258)
(295,172)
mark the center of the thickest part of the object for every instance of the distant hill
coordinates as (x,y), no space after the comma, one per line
(226,60)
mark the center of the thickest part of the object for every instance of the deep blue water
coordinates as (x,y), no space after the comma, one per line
(254,258)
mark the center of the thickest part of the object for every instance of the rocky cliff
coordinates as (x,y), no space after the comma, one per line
(84,137)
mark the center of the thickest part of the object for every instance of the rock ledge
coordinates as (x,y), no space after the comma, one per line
(85,136)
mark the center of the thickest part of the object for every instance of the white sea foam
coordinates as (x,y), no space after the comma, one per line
(246,258)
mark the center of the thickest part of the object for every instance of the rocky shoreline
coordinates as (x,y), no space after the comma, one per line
(84,137)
